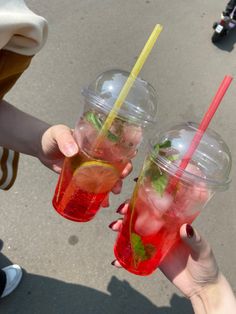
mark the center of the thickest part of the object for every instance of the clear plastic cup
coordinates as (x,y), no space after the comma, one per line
(151,227)
(87,178)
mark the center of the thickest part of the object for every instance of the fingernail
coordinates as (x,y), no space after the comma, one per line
(71,150)
(113,263)
(112,224)
(120,208)
(189,231)
(135,179)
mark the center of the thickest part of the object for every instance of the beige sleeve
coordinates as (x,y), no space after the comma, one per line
(21,30)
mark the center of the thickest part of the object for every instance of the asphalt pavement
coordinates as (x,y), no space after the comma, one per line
(66,265)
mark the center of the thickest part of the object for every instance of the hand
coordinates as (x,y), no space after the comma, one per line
(58,142)
(117,188)
(190,266)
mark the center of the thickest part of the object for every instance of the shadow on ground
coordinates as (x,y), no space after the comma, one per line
(41,295)
(227,43)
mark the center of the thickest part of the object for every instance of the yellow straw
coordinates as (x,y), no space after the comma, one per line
(128,84)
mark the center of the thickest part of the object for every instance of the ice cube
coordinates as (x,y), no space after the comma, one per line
(147,224)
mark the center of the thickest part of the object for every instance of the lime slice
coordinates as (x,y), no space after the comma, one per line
(95,177)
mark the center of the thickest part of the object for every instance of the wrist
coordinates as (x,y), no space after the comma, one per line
(216,298)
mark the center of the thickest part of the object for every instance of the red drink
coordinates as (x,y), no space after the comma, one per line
(86,181)
(150,230)
(158,207)
(83,186)
(104,148)
(151,226)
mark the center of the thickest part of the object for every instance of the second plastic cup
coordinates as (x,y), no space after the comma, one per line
(151,227)
(87,178)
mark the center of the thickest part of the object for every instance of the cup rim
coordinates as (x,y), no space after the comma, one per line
(186,176)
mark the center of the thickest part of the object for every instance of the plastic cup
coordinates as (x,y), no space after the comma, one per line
(151,227)
(88,177)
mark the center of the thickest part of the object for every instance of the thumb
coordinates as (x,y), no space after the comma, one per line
(199,247)
(65,140)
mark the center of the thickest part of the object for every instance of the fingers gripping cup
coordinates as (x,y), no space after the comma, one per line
(156,212)
(87,178)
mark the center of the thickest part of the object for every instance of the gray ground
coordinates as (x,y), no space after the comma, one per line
(67,265)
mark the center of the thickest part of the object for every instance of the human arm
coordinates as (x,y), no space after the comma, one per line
(26,134)
(20,131)
(197,276)
(217,298)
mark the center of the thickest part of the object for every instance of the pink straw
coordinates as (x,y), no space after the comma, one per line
(200,132)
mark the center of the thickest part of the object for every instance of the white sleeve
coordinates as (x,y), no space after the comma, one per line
(21,30)
(8,168)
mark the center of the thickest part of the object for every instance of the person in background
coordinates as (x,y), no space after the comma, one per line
(230,9)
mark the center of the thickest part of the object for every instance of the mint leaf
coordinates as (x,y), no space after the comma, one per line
(165,144)
(138,247)
(150,250)
(156,148)
(172,157)
(141,252)
(97,123)
(158,178)
(94,120)
(159,183)
(112,137)
(160,149)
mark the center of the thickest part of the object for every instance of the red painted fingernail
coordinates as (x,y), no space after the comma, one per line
(136,179)
(120,208)
(113,263)
(189,231)
(112,224)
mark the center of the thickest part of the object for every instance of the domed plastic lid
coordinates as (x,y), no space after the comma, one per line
(212,157)
(140,105)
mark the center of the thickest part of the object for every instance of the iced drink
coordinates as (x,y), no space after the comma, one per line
(87,178)
(151,226)
(85,182)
